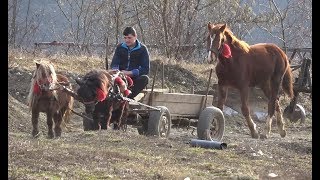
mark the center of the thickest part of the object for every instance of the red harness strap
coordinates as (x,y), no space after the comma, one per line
(129,80)
(123,88)
(36,88)
(226,51)
(101,95)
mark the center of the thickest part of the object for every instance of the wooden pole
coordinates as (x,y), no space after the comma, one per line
(207,91)
(162,84)
(106,60)
(152,87)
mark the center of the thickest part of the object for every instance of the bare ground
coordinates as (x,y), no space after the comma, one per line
(128,155)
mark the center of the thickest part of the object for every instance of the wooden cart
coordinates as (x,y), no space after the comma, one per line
(157,111)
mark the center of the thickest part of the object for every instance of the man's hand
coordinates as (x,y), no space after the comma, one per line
(113,71)
(128,73)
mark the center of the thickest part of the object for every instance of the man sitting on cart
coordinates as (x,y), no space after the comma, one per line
(132,58)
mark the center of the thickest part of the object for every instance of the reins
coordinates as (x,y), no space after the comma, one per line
(216,51)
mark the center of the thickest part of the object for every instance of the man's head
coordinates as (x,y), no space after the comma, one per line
(130,36)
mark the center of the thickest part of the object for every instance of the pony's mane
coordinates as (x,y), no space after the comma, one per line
(44,69)
(236,42)
(98,79)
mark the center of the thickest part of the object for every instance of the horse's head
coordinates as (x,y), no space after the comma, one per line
(93,88)
(44,77)
(215,40)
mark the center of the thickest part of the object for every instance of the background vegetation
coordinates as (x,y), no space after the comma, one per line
(175,28)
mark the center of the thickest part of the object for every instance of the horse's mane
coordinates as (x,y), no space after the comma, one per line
(44,69)
(236,42)
(98,79)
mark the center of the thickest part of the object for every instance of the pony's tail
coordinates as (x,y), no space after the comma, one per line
(67,114)
(287,83)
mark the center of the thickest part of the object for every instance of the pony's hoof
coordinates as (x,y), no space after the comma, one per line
(35,134)
(57,133)
(255,135)
(50,136)
(263,136)
(283,133)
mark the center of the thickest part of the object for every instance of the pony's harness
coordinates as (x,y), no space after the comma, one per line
(224,50)
(118,88)
(42,85)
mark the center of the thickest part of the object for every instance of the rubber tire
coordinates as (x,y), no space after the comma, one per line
(207,117)
(154,125)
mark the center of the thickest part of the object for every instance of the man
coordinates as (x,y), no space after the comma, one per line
(132,58)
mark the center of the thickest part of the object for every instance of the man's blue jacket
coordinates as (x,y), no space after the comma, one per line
(135,60)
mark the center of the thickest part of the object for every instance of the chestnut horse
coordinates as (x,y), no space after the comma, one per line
(101,95)
(241,66)
(46,96)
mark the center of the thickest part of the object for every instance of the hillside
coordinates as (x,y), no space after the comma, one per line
(128,155)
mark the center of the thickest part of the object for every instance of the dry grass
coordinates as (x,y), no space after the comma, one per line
(72,64)
(128,155)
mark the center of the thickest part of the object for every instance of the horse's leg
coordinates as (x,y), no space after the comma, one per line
(109,115)
(50,124)
(116,116)
(244,92)
(96,116)
(266,88)
(124,116)
(57,122)
(35,120)
(121,116)
(273,105)
(222,96)
(280,121)
(101,119)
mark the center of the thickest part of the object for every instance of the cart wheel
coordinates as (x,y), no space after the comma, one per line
(211,124)
(87,124)
(159,122)
(297,113)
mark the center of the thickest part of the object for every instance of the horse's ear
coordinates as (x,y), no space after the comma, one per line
(223,27)
(210,25)
(79,82)
(37,64)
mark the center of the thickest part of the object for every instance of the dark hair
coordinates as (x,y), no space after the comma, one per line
(129,30)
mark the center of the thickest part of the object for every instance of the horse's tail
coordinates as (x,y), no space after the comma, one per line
(287,83)
(67,114)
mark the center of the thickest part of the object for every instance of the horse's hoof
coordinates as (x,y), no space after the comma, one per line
(263,136)
(68,129)
(255,135)
(50,136)
(283,133)
(35,134)
(57,133)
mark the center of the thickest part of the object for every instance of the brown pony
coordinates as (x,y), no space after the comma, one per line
(46,96)
(102,99)
(242,66)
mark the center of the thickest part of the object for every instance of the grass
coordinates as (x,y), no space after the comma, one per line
(128,155)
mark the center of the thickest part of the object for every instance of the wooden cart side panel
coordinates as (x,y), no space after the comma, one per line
(179,104)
